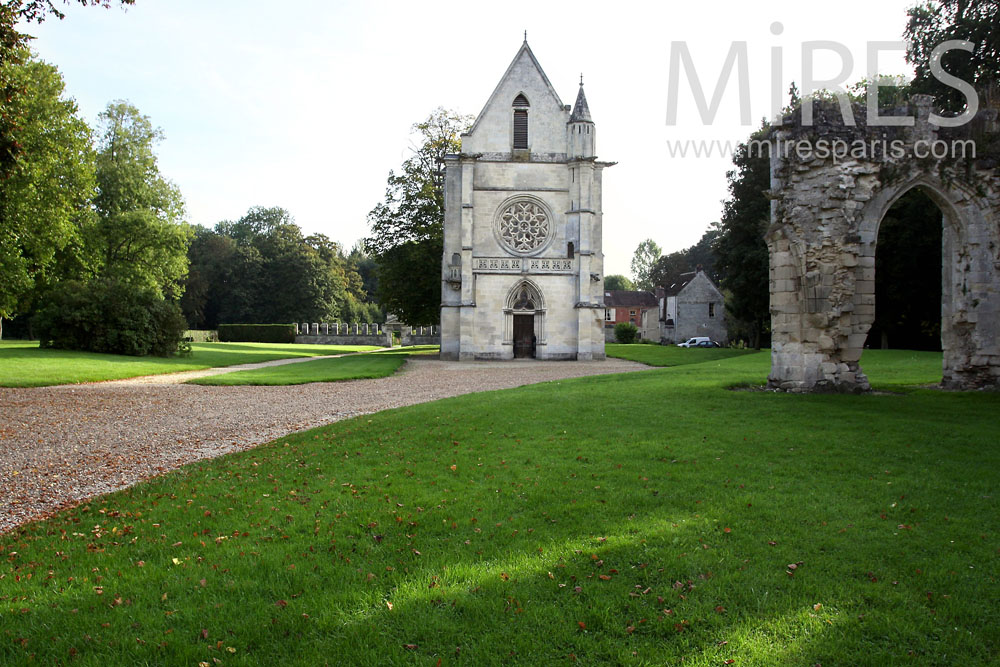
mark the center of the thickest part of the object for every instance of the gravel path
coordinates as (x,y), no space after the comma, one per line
(60,445)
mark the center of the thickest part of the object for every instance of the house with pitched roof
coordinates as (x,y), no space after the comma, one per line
(638,307)
(691,305)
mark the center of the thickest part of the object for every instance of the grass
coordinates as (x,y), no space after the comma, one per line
(24,364)
(670,355)
(631,519)
(323,370)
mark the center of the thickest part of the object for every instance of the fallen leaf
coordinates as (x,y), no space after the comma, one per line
(281,603)
(411,647)
(583,626)
(204,633)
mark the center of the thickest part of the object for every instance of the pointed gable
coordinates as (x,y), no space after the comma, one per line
(524,81)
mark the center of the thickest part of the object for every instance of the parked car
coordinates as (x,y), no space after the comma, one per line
(709,343)
(696,342)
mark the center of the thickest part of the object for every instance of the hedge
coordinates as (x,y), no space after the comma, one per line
(256,333)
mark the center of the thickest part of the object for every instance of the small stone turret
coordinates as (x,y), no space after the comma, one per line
(582,136)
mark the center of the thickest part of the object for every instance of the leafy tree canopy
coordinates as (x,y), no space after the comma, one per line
(44,196)
(933,22)
(642,263)
(13,51)
(617,281)
(740,252)
(669,267)
(261,269)
(140,236)
(407,227)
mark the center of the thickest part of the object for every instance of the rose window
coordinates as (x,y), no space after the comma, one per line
(523,226)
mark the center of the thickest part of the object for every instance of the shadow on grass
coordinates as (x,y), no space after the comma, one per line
(675,506)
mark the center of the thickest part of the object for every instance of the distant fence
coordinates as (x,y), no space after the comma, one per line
(419,336)
(343,333)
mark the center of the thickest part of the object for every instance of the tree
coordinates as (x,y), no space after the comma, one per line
(617,281)
(212,258)
(642,263)
(140,237)
(261,269)
(363,263)
(668,268)
(935,21)
(44,195)
(740,251)
(407,227)
(13,52)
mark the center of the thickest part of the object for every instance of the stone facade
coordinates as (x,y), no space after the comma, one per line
(825,216)
(692,306)
(522,271)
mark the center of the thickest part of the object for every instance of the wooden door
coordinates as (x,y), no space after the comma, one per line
(524,334)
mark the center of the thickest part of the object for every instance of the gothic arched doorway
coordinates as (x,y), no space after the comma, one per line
(524,319)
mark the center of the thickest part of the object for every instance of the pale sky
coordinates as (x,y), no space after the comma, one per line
(307,105)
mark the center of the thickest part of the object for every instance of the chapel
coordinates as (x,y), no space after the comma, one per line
(523,268)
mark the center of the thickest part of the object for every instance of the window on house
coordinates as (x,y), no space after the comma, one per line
(607,315)
(520,122)
(711,309)
(569,250)
(631,312)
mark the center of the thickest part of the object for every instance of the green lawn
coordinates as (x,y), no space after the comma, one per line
(322,370)
(23,364)
(670,355)
(632,519)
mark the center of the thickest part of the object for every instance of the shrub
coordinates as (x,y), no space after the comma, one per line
(110,317)
(625,332)
(202,335)
(257,333)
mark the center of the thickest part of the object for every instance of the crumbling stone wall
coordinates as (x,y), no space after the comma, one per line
(825,215)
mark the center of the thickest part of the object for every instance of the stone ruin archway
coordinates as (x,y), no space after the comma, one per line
(825,215)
